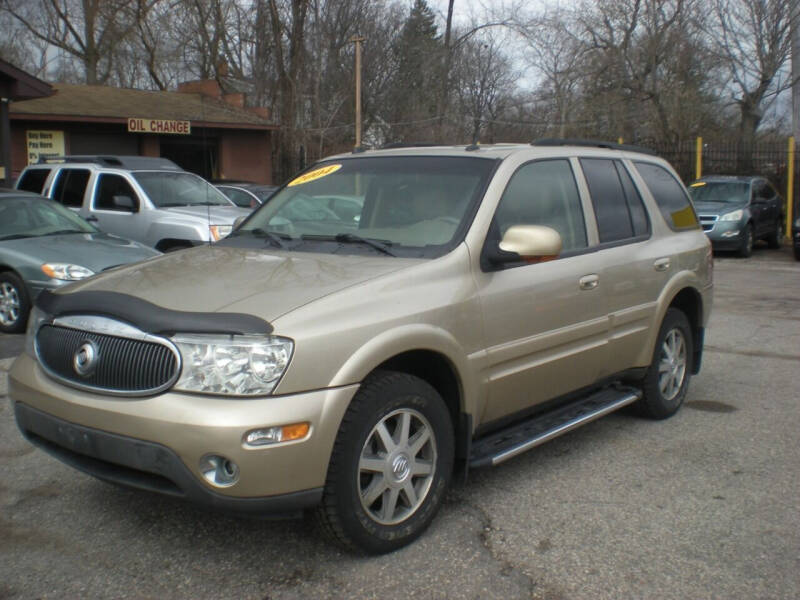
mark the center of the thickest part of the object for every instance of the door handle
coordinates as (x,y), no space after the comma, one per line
(589,282)
(662,264)
(91,219)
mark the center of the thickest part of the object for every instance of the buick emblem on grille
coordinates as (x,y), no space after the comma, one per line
(85,359)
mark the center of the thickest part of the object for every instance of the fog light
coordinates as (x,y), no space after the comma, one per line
(219,471)
(273,435)
(730,234)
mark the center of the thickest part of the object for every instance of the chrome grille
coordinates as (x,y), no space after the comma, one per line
(708,221)
(124,365)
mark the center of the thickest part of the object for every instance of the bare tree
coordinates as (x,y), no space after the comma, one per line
(88,30)
(752,40)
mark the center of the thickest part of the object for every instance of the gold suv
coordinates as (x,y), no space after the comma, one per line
(386,314)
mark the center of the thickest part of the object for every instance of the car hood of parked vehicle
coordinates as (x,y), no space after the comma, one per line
(95,251)
(224,279)
(718,208)
(213,214)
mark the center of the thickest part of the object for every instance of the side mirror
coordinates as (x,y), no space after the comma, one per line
(125,203)
(238,221)
(529,243)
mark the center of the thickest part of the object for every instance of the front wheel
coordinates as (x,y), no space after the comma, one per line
(667,380)
(748,239)
(14,304)
(774,238)
(390,465)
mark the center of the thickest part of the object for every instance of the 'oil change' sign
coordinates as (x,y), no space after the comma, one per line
(159,126)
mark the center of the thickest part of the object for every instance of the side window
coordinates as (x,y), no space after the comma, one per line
(639,220)
(70,187)
(615,220)
(109,186)
(672,200)
(767,192)
(544,193)
(33,180)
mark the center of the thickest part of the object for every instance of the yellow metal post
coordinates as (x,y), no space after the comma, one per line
(620,141)
(789,188)
(698,167)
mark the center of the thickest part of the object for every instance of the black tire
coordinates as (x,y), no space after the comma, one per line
(667,379)
(366,505)
(746,247)
(15,305)
(774,238)
(797,252)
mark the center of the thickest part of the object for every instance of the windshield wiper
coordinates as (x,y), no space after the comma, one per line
(15,236)
(63,232)
(351,238)
(276,238)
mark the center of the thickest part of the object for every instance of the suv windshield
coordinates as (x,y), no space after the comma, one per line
(411,205)
(179,189)
(720,191)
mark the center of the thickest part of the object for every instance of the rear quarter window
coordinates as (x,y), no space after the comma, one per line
(33,180)
(672,200)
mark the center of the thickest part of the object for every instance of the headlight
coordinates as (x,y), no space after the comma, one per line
(219,231)
(732,216)
(66,272)
(35,319)
(238,365)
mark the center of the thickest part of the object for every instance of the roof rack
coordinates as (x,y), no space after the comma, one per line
(592,144)
(120,162)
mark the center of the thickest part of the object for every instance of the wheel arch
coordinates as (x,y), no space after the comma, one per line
(439,372)
(689,301)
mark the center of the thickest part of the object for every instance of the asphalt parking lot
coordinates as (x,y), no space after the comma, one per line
(703,505)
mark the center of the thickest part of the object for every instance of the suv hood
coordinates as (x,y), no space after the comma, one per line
(219,215)
(223,279)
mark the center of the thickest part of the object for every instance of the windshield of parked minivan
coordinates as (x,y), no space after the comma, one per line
(167,189)
(734,192)
(409,206)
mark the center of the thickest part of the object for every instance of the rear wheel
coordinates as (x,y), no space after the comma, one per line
(774,238)
(14,304)
(390,465)
(667,379)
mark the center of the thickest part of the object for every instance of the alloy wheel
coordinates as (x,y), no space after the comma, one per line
(672,365)
(9,304)
(397,466)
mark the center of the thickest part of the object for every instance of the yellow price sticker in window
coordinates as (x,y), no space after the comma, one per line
(314,175)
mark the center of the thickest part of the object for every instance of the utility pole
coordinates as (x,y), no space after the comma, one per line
(357,40)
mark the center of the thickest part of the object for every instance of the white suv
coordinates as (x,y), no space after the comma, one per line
(150,200)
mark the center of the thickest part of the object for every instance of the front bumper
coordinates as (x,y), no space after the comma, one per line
(727,235)
(157,443)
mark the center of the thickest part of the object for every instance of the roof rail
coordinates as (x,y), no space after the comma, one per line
(592,144)
(392,145)
(115,161)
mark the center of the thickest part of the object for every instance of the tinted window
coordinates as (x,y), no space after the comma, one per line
(614,221)
(669,195)
(109,186)
(70,186)
(641,225)
(33,180)
(544,193)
